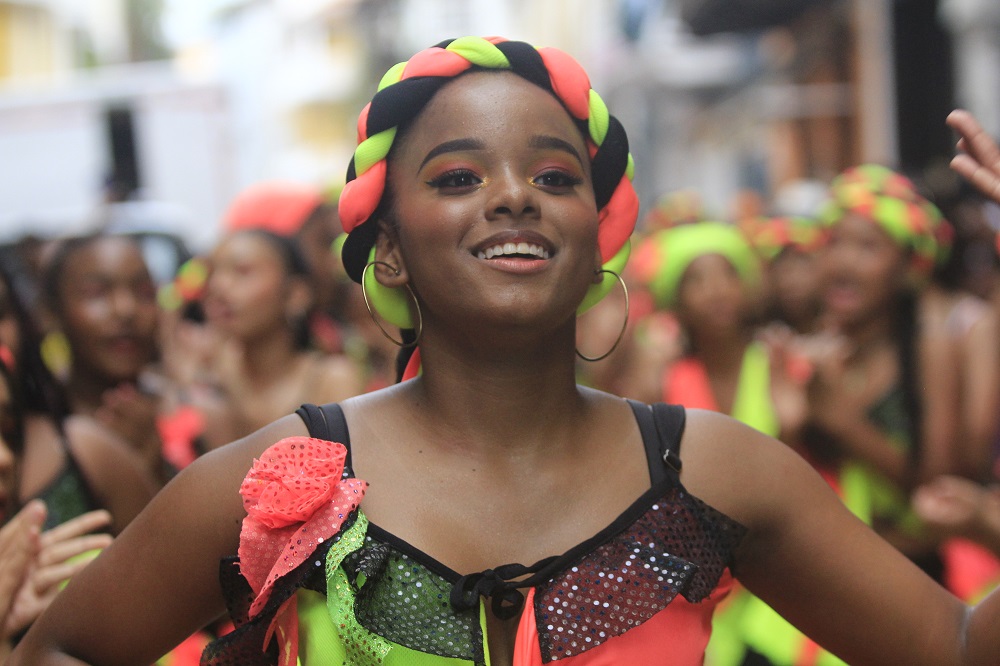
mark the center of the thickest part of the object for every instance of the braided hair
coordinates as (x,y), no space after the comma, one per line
(407,88)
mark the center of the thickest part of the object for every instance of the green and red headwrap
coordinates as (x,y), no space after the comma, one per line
(771,235)
(405,90)
(662,258)
(892,201)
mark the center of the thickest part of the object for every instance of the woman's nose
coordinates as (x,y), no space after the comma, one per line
(513,196)
(124,303)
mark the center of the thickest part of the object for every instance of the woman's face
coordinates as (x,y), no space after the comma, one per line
(247,291)
(711,295)
(494,206)
(108,309)
(862,270)
(794,280)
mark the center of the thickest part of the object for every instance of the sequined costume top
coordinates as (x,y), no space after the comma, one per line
(641,591)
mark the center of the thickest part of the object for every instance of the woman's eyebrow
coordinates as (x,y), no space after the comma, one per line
(452,146)
(555,143)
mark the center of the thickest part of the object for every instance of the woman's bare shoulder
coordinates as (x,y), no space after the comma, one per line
(735,468)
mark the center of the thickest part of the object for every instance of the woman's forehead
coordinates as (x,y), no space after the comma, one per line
(106,253)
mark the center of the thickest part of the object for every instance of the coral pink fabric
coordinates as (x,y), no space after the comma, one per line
(295,497)
(686,383)
(682,629)
(278,207)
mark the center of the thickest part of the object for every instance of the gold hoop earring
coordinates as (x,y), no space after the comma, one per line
(371,311)
(621,333)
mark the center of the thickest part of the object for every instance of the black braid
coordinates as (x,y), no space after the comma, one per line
(907,336)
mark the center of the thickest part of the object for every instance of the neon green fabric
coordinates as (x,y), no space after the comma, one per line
(325,621)
(752,404)
(745,620)
(669,252)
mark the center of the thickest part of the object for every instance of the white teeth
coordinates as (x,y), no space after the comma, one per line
(514,248)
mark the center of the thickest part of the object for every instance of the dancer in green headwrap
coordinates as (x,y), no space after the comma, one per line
(868,403)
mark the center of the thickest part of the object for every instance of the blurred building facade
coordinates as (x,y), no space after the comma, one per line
(720,96)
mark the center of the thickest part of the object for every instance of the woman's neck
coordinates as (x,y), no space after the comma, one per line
(265,358)
(870,334)
(721,351)
(502,400)
(85,389)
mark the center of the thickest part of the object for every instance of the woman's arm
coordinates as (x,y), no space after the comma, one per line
(159,581)
(819,566)
(980,397)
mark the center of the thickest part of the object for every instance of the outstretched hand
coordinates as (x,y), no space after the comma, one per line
(954,506)
(58,559)
(979,160)
(19,544)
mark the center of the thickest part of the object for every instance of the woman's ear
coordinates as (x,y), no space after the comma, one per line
(300,298)
(387,250)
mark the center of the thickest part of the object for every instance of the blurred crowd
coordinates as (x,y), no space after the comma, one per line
(859,325)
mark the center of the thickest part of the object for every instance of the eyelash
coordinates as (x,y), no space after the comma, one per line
(565,180)
(447,180)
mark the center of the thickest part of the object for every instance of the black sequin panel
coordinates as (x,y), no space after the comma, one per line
(244,646)
(679,546)
(405,603)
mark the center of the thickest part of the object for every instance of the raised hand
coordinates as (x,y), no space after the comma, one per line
(62,552)
(19,545)
(979,161)
(955,506)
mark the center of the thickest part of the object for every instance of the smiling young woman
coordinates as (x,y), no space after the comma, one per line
(490,457)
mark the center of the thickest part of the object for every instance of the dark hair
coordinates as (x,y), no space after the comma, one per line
(15,441)
(40,391)
(907,333)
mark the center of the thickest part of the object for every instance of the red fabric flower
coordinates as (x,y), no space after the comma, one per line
(292,479)
(295,498)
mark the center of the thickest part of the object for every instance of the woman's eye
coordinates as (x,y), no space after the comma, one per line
(456,180)
(557,179)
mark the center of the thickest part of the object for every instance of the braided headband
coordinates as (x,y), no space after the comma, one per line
(663,257)
(891,201)
(405,90)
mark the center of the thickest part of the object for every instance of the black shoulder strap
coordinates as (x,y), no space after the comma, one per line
(327,422)
(661,427)
(670,420)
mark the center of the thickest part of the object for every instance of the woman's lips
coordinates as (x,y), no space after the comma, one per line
(522,249)
(126,345)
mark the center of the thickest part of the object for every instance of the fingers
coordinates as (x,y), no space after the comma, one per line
(948,502)
(48,576)
(62,551)
(979,162)
(78,526)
